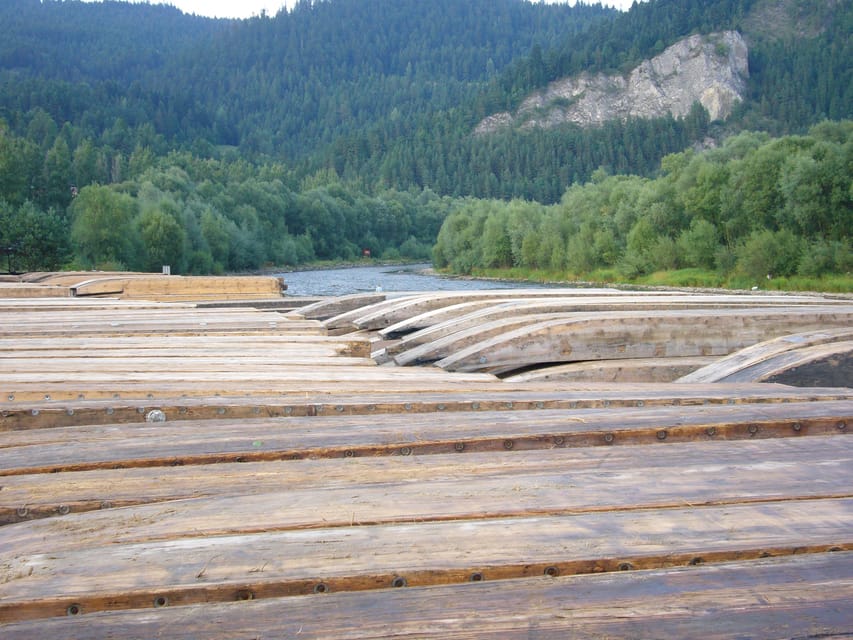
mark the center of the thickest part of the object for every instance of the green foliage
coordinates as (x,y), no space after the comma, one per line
(641,227)
(38,239)
(769,254)
(102,229)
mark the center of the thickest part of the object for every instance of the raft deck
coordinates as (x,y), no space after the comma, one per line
(174,471)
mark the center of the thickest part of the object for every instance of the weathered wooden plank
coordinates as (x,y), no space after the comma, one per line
(830,363)
(473,313)
(275,563)
(629,370)
(152,287)
(820,471)
(728,366)
(802,596)
(630,335)
(16,290)
(204,442)
(336,305)
(36,406)
(380,318)
(175,365)
(729,602)
(695,472)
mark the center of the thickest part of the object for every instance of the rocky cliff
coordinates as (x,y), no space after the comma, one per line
(709,69)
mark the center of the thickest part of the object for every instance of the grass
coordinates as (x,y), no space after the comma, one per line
(700,278)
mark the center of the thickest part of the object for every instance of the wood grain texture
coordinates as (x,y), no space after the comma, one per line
(804,596)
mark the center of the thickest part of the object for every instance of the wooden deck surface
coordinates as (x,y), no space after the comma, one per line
(182,472)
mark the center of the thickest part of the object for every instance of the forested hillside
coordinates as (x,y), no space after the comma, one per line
(133,135)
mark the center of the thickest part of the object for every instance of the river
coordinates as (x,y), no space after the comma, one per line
(409,277)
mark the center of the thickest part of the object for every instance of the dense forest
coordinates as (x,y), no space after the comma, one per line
(755,208)
(133,135)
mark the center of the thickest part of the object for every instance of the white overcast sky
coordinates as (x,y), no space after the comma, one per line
(248,8)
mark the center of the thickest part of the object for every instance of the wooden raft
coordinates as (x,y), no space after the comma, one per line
(164,478)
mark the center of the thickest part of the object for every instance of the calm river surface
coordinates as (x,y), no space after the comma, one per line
(409,277)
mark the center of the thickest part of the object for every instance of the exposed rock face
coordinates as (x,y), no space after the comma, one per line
(711,69)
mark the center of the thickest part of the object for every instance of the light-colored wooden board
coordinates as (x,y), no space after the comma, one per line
(336,305)
(465,315)
(644,335)
(19,290)
(153,287)
(193,569)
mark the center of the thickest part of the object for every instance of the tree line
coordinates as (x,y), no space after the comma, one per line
(198,215)
(756,206)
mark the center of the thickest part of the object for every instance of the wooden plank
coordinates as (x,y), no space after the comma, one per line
(450,339)
(176,365)
(802,596)
(829,363)
(152,287)
(380,318)
(336,305)
(630,335)
(754,355)
(355,558)
(20,290)
(711,472)
(38,409)
(629,370)
(816,470)
(203,442)
(469,314)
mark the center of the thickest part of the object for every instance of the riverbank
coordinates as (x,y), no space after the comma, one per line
(681,279)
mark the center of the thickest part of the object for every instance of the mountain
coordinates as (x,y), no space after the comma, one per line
(340,125)
(711,70)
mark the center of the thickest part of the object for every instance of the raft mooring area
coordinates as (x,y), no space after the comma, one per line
(483,464)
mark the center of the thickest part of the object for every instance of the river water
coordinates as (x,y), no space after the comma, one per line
(409,277)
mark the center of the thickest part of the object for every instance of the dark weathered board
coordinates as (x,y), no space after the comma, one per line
(42,405)
(706,475)
(800,596)
(195,569)
(204,442)
(582,478)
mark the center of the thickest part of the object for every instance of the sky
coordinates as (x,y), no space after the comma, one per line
(249,8)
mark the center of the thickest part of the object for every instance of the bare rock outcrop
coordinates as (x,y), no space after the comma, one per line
(710,69)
